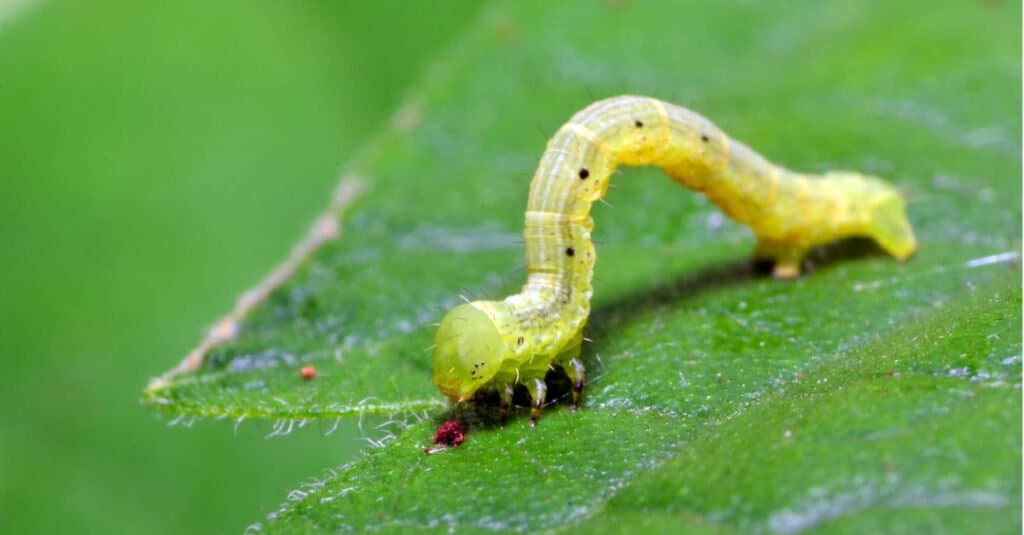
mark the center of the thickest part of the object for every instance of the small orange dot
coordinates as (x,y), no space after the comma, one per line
(307,372)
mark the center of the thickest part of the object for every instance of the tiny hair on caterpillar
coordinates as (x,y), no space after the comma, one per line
(500,344)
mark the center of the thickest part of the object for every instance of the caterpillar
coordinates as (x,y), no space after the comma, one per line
(500,344)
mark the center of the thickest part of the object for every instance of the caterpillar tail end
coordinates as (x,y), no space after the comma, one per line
(889,227)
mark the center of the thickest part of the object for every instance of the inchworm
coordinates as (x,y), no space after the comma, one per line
(500,344)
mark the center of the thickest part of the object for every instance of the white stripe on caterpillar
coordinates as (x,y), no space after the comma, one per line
(499,344)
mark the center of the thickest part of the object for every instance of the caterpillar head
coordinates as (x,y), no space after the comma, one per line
(467,352)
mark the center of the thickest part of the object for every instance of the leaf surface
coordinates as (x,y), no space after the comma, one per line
(866,396)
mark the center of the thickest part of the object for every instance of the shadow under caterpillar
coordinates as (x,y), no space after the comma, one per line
(500,344)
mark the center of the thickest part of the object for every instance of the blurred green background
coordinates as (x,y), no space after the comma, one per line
(156,160)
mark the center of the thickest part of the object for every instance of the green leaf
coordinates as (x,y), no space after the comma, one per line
(866,396)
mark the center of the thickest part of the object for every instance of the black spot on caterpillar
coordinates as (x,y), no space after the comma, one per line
(521,337)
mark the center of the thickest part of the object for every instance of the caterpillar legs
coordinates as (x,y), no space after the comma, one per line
(574,369)
(787,260)
(538,392)
(505,393)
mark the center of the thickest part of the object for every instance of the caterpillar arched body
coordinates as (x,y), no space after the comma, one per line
(500,344)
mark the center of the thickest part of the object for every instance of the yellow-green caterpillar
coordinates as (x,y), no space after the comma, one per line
(500,344)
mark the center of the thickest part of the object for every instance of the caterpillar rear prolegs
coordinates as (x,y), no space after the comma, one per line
(502,344)
(786,260)
(852,205)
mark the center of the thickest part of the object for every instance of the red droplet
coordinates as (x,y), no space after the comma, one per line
(451,433)
(307,372)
